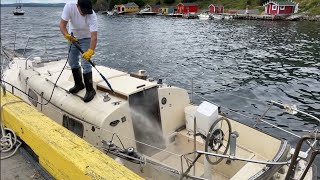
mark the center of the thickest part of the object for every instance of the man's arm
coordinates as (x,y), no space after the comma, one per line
(63,27)
(93,43)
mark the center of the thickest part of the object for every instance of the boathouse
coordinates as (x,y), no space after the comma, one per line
(216,9)
(120,8)
(280,7)
(167,10)
(184,8)
(127,8)
(131,7)
(153,8)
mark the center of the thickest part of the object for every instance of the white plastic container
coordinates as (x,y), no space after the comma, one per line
(206,115)
(189,113)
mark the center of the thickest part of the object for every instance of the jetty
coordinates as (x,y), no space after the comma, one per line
(61,153)
(257,17)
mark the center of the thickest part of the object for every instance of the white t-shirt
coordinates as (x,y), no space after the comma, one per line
(81,26)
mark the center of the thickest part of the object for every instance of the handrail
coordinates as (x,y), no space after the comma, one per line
(294,109)
(293,164)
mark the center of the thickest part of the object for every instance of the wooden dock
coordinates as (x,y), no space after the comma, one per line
(257,17)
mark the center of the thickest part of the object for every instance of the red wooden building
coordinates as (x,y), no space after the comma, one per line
(216,8)
(184,8)
(280,7)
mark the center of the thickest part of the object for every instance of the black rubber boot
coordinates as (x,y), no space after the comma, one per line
(90,93)
(78,84)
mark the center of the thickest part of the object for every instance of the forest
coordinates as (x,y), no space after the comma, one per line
(306,6)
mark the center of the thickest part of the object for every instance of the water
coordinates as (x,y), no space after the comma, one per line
(237,64)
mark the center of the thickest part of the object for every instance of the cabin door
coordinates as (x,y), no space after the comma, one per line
(146,120)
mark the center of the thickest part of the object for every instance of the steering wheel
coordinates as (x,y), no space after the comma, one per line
(215,139)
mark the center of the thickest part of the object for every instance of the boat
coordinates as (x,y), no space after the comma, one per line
(216,16)
(153,128)
(203,16)
(191,15)
(18,11)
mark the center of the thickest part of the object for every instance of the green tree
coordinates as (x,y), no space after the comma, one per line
(140,3)
(168,1)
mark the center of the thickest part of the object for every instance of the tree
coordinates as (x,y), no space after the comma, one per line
(168,1)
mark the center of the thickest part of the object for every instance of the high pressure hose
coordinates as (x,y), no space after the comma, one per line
(8,138)
(55,84)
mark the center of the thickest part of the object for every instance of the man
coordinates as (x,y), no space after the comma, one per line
(83,24)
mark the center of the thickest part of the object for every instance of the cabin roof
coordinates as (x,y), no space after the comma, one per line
(188,4)
(42,79)
(216,5)
(153,6)
(281,3)
(131,4)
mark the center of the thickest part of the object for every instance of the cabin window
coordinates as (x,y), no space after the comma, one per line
(73,125)
(281,7)
(274,7)
(33,98)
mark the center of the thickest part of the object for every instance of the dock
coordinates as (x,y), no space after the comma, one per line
(147,13)
(58,151)
(257,17)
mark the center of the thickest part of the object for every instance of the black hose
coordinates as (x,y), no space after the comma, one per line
(77,45)
(55,84)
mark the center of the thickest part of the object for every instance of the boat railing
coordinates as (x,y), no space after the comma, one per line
(292,162)
(315,151)
(18,39)
(291,109)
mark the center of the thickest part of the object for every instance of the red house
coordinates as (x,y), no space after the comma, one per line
(184,8)
(216,8)
(280,7)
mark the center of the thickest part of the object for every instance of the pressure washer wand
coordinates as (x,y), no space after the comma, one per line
(93,65)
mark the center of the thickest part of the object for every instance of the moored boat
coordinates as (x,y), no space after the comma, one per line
(203,16)
(18,11)
(154,128)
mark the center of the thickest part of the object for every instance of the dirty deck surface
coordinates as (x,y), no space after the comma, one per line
(17,167)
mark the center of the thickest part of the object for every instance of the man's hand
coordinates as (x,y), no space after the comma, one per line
(87,55)
(70,38)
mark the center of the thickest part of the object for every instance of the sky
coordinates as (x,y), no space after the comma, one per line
(36,1)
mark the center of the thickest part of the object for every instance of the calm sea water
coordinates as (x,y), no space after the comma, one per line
(235,63)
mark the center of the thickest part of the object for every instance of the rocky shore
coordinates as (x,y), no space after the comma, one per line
(309,18)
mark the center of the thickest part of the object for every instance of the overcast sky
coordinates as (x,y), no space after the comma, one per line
(36,1)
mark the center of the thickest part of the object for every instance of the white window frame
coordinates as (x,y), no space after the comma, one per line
(274,7)
(282,7)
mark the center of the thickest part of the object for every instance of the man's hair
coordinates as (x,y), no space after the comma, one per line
(85,6)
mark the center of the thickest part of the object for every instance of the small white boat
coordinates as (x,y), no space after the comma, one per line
(153,127)
(216,16)
(18,11)
(228,17)
(203,16)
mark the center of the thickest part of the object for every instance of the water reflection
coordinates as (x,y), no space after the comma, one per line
(228,60)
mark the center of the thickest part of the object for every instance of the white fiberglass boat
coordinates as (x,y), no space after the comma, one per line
(154,129)
(18,11)
(203,16)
